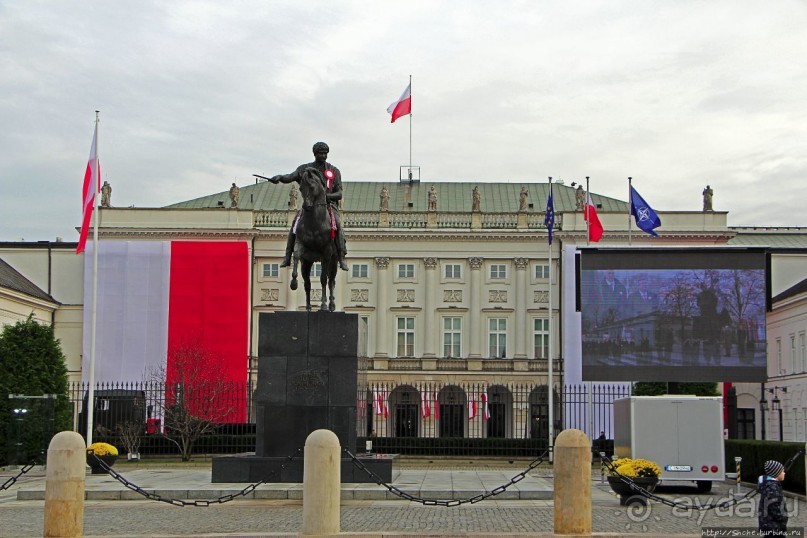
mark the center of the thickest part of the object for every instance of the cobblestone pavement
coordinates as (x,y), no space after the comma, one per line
(21,519)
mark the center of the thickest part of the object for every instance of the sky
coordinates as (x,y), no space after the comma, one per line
(194,96)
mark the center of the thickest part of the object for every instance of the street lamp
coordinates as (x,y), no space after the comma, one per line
(777,406)
(763,407)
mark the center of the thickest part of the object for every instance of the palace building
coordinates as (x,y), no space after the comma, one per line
(456,300)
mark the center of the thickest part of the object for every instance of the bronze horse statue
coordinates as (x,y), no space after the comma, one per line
(315,239)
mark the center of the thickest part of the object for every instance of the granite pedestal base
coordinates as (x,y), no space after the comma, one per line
(308,379)
(251,469)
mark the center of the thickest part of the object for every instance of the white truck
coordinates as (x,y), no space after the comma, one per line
(682,434)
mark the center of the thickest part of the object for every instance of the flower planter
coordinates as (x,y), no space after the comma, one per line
(96,467)
(626,494)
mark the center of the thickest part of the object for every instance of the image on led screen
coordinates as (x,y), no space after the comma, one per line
(660,324)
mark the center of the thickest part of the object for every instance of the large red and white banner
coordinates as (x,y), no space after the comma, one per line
(159,302)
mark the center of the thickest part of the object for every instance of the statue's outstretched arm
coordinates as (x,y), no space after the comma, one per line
(285,178)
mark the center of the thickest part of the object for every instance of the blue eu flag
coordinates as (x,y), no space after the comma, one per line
(646,218)
(549,218)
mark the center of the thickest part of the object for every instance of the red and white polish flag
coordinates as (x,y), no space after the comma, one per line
(92,184)
(485,408)
(471,409)
(595,229)
(159,298)
(402,106)
(425,409)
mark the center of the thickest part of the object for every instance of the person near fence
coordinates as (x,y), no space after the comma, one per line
(772,512)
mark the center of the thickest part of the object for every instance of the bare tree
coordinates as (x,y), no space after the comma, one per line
(196,398)
(130,434)
(746,289)
(678,301)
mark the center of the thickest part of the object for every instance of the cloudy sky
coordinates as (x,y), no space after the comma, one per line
(196,95)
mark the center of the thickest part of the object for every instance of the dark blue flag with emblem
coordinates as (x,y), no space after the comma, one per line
(646,218)
(549,218)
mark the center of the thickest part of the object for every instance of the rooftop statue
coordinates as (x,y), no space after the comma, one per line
(384,204)
(106,195)
(708,193)
(235,193)
(432,199)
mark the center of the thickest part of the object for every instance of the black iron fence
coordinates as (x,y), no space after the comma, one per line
(481,419)
(420,418)
(153,417)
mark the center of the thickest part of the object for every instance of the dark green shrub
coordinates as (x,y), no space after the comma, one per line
(755,453)
(31,364)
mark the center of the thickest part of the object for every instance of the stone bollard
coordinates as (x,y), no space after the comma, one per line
(64,488)
(572,483)
(321,483)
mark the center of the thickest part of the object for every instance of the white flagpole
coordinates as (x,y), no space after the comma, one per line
(551,349)
(590,386)
(630,209)
(410,128)
(588,217)
(91,395)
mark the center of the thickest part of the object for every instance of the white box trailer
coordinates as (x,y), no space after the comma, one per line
(682,434)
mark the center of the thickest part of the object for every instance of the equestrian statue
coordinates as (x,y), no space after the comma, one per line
(316,233)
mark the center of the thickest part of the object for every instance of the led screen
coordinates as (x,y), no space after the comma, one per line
(673,315)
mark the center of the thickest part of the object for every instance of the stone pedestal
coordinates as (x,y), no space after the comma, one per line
(308,379)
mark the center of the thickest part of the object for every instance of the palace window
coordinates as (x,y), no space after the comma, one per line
(453,270)
(497,338)
(452,337)
(498,271)
(406,336)
(406,270)
(779,369)
(540,338)
(359,270)
(793,365)
(271,270)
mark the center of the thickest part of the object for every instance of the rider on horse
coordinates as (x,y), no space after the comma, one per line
(333,179)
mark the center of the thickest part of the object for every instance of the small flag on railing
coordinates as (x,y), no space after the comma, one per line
(471,409)
(485,408)
(425,408)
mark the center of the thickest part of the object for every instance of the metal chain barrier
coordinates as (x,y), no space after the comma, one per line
(10,482)
(686,506)
(200,502)
(445,502)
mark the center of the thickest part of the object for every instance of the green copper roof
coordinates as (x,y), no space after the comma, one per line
(454,196)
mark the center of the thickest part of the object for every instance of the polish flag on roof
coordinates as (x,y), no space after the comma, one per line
(403,105)
(595,229)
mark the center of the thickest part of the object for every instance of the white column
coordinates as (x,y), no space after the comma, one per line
(476,331)
(430,329)
(521,320)
(382,285)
